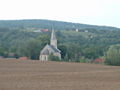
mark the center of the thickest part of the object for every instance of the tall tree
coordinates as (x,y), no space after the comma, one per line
(112,56)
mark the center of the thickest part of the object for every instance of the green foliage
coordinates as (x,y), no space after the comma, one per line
(63,50)
(53,58)
(83,60)
(73,52)
(16,37)
(66,59)
(32,47)
(112,56)
(59,25)
(2,51)
(93,51)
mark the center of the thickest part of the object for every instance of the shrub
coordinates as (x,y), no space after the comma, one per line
(82,61)
(53,58)
(112,56)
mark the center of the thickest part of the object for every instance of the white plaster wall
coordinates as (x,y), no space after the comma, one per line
(43,57)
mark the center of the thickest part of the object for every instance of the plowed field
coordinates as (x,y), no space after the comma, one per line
(37,75)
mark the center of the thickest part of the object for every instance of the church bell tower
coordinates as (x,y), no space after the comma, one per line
(53,40)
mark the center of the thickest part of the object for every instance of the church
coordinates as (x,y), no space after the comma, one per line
(50,49)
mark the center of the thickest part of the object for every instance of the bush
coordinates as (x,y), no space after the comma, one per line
(82,61)
(112,56)
(53,58)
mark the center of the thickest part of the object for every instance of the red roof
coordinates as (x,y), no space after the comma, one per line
(98,60)
(23,58)
(44,30)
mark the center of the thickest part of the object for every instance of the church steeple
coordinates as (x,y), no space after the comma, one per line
(53,40)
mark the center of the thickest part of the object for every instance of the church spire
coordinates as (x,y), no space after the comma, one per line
(53,35)
(53,40)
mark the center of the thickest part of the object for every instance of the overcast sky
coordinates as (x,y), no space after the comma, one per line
(97,12)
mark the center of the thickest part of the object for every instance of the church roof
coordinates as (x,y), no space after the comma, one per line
(49,49)
(55,49)
(45,52)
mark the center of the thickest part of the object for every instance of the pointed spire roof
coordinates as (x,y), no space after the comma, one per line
(53,37)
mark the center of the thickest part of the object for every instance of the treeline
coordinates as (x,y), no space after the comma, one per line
(87,43)
(74,45)
(43,24)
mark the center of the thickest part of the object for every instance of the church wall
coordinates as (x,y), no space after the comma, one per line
(43,57)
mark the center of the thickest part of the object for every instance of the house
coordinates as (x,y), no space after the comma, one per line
(50,49)
(44,30)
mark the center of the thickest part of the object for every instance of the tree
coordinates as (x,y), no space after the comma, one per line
(73,52)
(63,50)
(93,51)
(112,56)
(30,49)
(3,51)
(66,58)
(82,60)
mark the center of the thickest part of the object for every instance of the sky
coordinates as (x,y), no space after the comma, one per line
(95,12)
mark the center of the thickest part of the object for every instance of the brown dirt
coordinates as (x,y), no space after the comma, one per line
(37,75)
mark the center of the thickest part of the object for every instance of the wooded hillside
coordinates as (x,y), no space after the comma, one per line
(89,42)
(58,25)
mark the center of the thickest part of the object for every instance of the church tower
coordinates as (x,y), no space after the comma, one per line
(50,49)
(53,40)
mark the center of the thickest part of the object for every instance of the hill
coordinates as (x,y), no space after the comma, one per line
(59,25)
(18,37)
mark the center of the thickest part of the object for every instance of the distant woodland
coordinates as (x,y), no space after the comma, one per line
(88,42)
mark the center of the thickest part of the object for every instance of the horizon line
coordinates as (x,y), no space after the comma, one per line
(58,21)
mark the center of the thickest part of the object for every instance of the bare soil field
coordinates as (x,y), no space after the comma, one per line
(38,75)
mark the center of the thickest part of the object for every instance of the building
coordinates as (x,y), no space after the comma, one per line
(50,49)
(44,30)
(77,30)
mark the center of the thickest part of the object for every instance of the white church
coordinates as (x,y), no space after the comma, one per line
(50,49)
